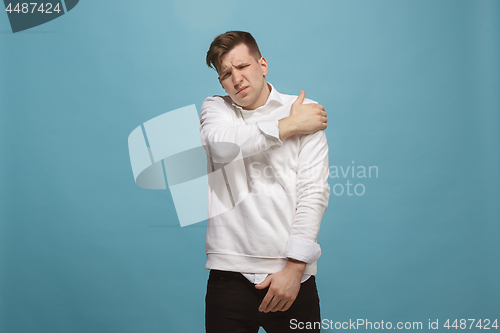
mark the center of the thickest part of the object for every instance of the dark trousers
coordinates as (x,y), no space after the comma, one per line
(232,306)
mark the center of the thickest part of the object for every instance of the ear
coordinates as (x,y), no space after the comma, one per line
(263,65)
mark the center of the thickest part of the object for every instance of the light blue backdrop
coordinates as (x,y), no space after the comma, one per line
(411,87)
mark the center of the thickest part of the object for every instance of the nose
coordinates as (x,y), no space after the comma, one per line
(237,78)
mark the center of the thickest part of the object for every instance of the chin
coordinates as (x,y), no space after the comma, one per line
(241,102)
(243,105)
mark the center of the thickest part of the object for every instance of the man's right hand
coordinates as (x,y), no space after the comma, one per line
(303,118)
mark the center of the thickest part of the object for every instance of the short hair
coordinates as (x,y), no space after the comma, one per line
(224,43)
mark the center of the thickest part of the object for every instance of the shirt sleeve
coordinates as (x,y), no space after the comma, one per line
(217,126)
(313,193)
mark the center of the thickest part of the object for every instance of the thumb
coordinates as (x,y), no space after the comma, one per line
(301,97)
(264,284)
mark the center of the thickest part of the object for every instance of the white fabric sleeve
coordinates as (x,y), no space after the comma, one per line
(302,249)
(270,128)
(216,126)
(313,193)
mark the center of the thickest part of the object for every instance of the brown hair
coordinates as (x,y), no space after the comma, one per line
(224,43)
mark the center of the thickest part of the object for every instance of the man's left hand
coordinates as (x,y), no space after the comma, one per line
(283,286)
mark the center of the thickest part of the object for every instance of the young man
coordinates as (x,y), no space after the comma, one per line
(262,252)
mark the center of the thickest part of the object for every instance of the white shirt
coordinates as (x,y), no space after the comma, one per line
(280,216)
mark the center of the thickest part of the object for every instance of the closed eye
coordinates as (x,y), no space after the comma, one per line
(228,74)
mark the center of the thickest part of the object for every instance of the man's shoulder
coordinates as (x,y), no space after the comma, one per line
(217,100)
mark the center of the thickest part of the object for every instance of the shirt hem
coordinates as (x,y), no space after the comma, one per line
(249,264)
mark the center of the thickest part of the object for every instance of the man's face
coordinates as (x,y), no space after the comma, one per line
(244,78)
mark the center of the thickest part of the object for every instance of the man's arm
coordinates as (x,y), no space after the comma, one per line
(313,193)
(312,200)
(216,126)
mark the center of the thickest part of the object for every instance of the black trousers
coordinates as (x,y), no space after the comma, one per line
(232,306)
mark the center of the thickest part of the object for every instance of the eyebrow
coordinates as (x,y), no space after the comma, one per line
(224,72)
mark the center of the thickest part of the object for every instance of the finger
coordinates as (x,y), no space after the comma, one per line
(266,307)
(323,113)
(279,306)
(301,97)
(320,106)
(265,302)
(273,304)
(264,284)
(287,306)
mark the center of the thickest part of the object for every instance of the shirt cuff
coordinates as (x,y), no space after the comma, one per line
(271,129)
(302,249)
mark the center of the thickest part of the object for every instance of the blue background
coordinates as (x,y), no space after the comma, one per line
(411,87)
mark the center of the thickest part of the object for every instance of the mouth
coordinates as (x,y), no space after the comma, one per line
(243,89)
